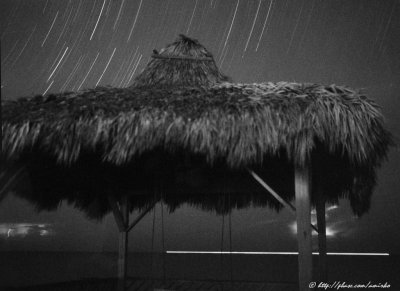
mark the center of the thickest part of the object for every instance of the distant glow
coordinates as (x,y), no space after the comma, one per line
(329,230)
(274,253)
(43,232)
(22,230)
(329,208)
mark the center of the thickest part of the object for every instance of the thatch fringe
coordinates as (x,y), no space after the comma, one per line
(240,123)
(180,178)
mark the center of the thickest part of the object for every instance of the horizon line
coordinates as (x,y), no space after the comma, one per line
(273,253)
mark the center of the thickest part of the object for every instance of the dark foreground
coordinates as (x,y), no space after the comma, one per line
(135,284)
(30,271)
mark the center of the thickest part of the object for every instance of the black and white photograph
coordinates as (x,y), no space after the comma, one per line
(205,145)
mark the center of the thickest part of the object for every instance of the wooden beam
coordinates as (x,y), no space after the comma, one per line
(121,215)
(123,246)
(276,195)
(303,215)
(12,179)
(322,257)
(117,213)
(141,215)
(270,190)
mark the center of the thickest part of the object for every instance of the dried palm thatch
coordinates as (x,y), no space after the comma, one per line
(241,123)
(181,107)
(185,62)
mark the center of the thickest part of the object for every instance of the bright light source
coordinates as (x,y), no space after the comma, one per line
(22,230)
(329,230)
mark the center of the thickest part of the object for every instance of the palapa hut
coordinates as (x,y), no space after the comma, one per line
(183,132)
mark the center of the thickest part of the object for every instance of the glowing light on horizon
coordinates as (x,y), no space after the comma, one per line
(329,208)
(329,230)
(21,230)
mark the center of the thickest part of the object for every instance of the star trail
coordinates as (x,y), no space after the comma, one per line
(56,46)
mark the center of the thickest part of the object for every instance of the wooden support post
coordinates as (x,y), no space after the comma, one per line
(122,265)
(303,215)
(322,258)
(1,125)
(123,245)
(117,213)
(121,215)
(276,196)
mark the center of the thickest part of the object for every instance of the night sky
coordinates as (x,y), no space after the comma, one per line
(50,46)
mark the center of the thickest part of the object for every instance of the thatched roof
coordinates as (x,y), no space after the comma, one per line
(241,123)
(181,106)
(185,62)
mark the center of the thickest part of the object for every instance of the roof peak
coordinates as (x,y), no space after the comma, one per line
(185,62)
(183,37)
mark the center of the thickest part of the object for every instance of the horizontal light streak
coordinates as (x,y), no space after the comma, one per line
(272,253)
